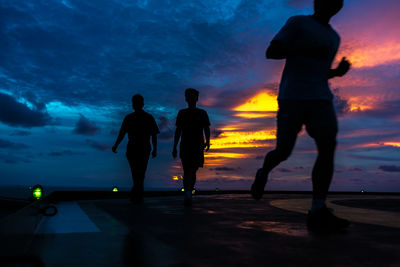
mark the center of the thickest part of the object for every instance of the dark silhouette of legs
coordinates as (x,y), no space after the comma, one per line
(284,147)
(189,178)
(138,186)
(138,164)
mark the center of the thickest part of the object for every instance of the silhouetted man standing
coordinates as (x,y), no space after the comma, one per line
(190,125)
(140,126)
(309,45)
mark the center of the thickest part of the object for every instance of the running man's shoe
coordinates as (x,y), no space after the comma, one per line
(324,220)
(257,188)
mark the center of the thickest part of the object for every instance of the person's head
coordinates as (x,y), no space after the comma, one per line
(137,102)
(327,8)
(191,96)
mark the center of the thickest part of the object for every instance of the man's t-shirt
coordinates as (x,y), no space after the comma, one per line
(305,77)
(192,122)
(140,126)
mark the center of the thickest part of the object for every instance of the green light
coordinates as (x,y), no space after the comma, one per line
(362,191)
(115,189)
(37,192)
(217,189)
(183,189)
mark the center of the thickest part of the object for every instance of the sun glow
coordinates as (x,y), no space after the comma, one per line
(395,144)
(226,155)
(361,103)
(255,115)
(237,139)
(260,106)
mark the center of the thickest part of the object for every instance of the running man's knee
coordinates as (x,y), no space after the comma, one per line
(281,153)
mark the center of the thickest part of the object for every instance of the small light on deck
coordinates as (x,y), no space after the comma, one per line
(115,189)
(175,178)
(183,189)
(362,191)
(193,191)
(37,191)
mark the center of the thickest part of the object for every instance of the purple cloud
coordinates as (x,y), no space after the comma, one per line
(85,127)
(97,145)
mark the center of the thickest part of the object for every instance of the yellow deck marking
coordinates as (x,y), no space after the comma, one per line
(368,216)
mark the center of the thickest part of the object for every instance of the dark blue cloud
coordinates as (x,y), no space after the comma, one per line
(14,113)
(11,145)
(63,153)
(85,127)
(341,104)
(13,159)
(20,133)
(283,170)
(389,168)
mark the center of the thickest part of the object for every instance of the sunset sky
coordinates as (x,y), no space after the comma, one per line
(68,70)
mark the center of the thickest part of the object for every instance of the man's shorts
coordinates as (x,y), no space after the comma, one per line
(138,159)
(318,116)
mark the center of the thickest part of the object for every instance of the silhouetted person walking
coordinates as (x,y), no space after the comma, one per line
(309,45)
(191,122)
(139,126)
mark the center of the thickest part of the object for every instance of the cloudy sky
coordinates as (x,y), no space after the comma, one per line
(69,68)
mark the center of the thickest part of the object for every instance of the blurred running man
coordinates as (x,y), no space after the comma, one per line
(191,123)
(139,126)
(309,45)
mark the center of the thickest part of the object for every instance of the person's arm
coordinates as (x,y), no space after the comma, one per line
(177,136)
(120,137)
(154,142)
(207,134)
(342,69)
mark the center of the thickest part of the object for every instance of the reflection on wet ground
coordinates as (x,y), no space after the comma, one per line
(222,230)
(290,229)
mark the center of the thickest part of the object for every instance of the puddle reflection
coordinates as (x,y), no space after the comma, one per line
(289,229)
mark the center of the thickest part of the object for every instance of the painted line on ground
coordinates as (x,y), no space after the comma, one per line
(69,219)
(367,216)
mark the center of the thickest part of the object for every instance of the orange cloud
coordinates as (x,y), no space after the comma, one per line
(362,103)
(372,54)
(260,102)
(239,139)
(395,144)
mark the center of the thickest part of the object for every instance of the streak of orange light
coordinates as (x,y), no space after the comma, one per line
(253,115)
(260,102)
(396,144)
(176,177)
(226,155)
(242,139)
(229,129)
(361,103)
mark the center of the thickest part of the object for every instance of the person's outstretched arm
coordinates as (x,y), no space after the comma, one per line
(177,136)
(342,69)
(207,134)
(154,142)
(120,137)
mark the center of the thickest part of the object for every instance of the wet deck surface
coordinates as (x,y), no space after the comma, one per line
(223,230)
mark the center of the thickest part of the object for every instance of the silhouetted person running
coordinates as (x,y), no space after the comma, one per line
(309,45)
(139,126)
(191,123)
